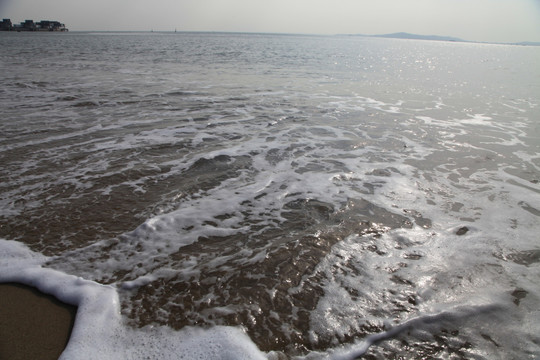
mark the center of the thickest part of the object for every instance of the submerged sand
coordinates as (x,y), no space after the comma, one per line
(33,325)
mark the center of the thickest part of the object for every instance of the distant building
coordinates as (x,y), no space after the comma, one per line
(30,25)
(6,25)
(47,25)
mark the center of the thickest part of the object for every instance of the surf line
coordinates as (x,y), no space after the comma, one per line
(461,312)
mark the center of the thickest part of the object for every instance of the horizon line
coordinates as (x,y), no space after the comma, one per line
(413,36)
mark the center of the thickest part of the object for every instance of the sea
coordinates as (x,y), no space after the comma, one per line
(274,196)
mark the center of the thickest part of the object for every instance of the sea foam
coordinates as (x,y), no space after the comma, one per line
(99,331)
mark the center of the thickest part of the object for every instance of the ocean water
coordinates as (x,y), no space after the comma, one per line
(231,196)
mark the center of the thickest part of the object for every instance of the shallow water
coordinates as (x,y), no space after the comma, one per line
(313,191)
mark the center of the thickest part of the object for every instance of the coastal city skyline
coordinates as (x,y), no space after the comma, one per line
(474,20)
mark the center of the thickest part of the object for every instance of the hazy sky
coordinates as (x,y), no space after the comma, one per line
(481,20)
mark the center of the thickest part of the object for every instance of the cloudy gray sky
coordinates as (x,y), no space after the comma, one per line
(480,20)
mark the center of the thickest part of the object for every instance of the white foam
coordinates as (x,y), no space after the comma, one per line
(356,350)
(99,331)
(452,283)
(458,159)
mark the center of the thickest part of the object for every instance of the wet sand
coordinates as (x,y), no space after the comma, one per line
(32,325)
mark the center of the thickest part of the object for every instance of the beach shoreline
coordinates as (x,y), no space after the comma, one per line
(33,325)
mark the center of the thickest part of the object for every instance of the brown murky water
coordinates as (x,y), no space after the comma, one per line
(314,195)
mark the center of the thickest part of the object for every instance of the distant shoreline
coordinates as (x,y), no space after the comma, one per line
(399,36)
(30,25)
(408,36)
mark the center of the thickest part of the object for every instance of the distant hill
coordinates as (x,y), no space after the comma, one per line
(404,35)
(528,43)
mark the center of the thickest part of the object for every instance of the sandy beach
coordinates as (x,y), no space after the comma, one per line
(32,325)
